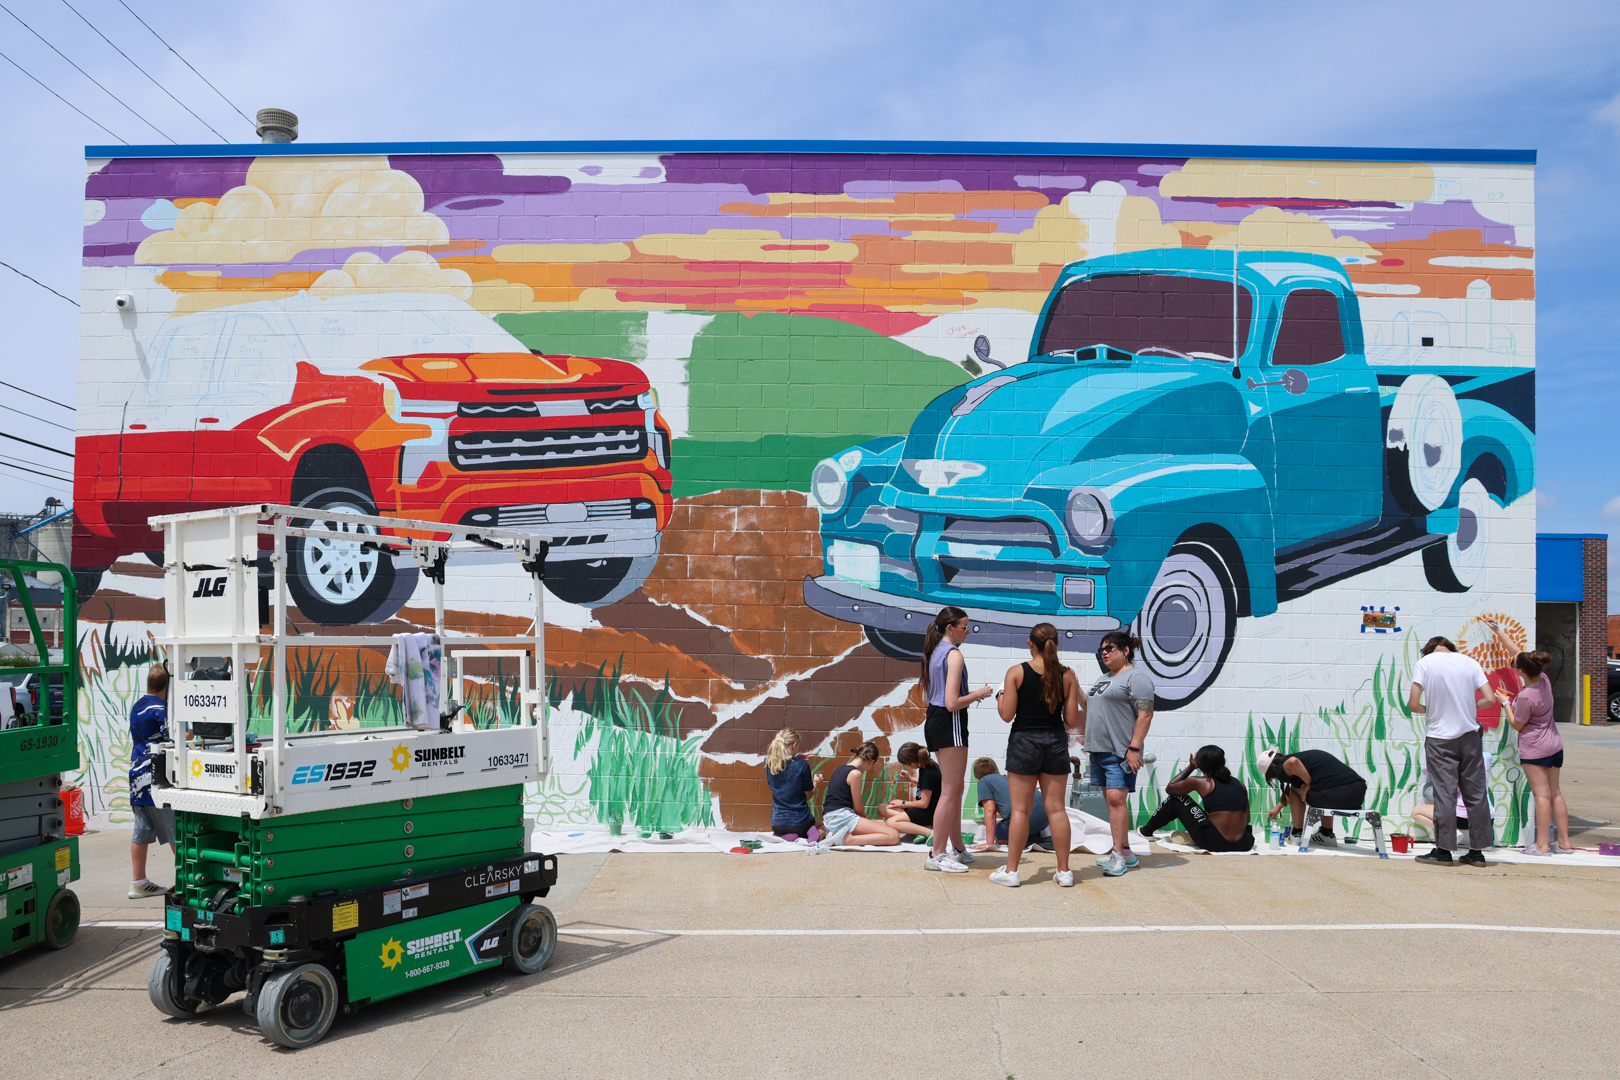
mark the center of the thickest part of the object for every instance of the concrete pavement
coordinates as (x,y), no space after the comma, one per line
(672,965)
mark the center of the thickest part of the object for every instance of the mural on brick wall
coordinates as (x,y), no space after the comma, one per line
(1276,417)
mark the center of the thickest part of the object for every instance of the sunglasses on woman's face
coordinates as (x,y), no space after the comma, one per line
(1106,649)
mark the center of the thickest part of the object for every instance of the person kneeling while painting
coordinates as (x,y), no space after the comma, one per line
(995,799)
(915,817)
(1312,778)
(791,787)
(845,825)
(1219,820)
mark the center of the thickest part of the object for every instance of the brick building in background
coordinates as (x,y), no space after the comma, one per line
(1572,621)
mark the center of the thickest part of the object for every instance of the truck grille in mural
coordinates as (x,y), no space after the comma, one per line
(479,410)
(483,450)
(1000,532)
(512,517)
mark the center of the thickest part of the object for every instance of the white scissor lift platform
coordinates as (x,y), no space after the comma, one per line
(395,845)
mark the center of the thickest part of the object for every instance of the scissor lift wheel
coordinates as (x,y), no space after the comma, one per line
(61,919)
(161,985)
(534,939)
(297,1006)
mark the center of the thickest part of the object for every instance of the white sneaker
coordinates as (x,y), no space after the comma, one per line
(839,837)
(1115,866)
(961,855)
(1065,878)
(1005,877)
(944,864)
(1323,839)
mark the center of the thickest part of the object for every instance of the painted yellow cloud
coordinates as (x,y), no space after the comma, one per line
(1053,238)
(409,271)
(561,253)
(1361,181)
(1271,229)
(294,204)
(745,245)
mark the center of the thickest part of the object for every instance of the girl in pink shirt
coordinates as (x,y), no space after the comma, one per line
(1541,749)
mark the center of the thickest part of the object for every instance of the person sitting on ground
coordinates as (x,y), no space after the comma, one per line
(995,799)
(845,825)
(1219,821)
(915,817)
(1312,778)
(791,787)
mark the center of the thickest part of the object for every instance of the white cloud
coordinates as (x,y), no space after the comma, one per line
(1609,113)
(1611,509)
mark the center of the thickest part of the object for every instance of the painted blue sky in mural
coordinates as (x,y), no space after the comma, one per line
(1493,75)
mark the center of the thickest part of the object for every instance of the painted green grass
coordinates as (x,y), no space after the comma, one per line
(498,701)
(642,773)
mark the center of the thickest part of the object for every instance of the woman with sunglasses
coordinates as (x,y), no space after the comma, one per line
(944,682)
(1119,712)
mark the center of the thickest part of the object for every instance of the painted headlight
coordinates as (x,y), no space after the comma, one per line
(1088,517)
(829,486)
(647,399)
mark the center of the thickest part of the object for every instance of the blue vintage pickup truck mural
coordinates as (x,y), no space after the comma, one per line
(1197,436)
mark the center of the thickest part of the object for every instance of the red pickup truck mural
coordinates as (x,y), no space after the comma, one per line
(426,409)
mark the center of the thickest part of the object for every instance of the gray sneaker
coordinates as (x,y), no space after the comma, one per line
(1115,866)
(944,864)
(1323,839)
(145,890)
(961,855)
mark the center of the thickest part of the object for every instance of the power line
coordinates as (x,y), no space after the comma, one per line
(30,442)
(70,105)
(50,470)
(41,397)
(85,73)
(48,476)
(186,62)
(13,269)
(31,416)
(142,70)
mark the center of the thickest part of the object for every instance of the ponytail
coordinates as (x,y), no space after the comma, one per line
(1044,638)
(781,751)
(936,634)
(1532,664)
(867,751)
(1212,763)
(914,754)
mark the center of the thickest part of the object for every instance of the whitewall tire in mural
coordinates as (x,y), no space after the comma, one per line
(1423,444)
(338,582)
(1187,623)
(597,582)
(1458,564)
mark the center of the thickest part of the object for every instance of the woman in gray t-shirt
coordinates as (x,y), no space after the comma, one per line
(1119,710)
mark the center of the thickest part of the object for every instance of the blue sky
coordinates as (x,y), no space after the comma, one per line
(1545,77)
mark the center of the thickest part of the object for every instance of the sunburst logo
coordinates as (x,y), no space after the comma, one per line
(401,757)
(196,766)
(393,952)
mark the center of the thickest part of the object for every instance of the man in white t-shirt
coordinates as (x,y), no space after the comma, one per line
(1448,689)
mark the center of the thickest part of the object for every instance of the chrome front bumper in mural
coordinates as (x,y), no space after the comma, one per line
(849,602)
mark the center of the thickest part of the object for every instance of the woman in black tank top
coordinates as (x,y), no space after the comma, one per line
(1220,820)
(1313,778)
(841,806)
(1041,699)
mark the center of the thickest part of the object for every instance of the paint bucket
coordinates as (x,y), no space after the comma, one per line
(73,810)
(1609,849)
(1401,842)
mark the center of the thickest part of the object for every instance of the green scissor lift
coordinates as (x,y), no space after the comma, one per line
(321,872)
(38,859)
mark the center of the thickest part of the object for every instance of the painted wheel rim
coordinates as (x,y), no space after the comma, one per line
(339,571)
(1182,624)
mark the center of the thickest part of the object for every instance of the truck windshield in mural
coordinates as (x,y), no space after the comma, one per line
(778,408)
(418,406)
(1197,436)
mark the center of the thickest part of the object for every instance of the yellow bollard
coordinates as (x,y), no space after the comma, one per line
(1586,699)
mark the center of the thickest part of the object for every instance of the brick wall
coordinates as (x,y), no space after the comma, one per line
(1595,625)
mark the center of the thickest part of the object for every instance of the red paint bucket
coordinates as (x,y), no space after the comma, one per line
(73,810)
(1401,842)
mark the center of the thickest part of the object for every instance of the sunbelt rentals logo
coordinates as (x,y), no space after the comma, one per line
(420,948)
(392,954)
(401,758)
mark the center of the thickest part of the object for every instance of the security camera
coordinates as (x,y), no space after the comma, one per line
(124,302)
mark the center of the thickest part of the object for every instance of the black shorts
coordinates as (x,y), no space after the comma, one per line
(1343,797)
(921,815)
(1037,753)
(944,728)
(1551,761)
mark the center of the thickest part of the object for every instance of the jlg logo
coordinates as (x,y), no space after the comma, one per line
(209,587)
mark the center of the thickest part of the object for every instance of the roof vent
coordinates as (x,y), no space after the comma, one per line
(277,126)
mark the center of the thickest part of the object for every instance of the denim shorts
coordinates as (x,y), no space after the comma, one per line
(839,819)
(1554,760)
(1109,771)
